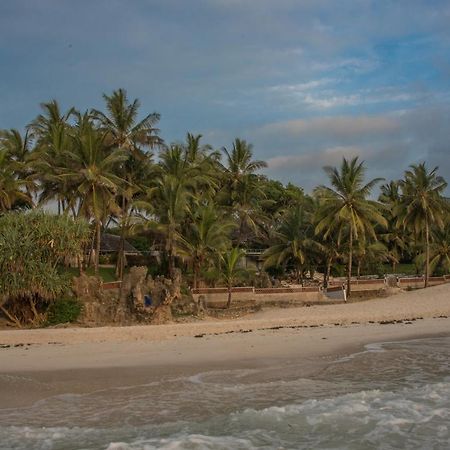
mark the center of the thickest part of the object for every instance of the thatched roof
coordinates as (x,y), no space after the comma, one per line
(109,243)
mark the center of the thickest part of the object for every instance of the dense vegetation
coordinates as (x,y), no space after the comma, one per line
(201,208)
(32,249)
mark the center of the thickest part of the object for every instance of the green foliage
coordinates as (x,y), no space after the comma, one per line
(293,242)
(192,203)
(32,245)
(65,310)
(345,208)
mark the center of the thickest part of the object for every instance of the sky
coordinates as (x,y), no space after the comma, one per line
(307,82)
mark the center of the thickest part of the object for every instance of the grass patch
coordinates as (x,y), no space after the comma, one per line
(402,268)
(66,310)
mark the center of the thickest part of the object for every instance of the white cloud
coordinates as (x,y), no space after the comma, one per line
(313,160)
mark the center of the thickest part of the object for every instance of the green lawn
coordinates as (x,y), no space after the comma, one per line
(106,273)
(407,269)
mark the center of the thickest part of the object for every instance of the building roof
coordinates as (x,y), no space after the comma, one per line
(110,243)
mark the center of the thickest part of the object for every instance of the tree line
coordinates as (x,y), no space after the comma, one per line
(202,208)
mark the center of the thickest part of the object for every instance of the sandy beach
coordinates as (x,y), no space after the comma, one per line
(52,361)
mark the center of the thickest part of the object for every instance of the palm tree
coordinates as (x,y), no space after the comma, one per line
(121,125)
(239,162)
(90,170)
(229,268)
(422,205)
(176,194)
(207,235)
(12,192)
(242,192)
(394,236)
(52,130)
(439,251)
(346,205)
(294,242)
(197,152)
(123,130)
(367,251)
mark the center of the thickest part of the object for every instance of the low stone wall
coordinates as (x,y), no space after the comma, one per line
(361,285)
(418,282)
(249,294)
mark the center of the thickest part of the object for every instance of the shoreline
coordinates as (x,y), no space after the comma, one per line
(43,371)
(36,364)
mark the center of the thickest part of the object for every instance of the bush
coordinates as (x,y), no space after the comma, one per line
(32,247)
(66,310)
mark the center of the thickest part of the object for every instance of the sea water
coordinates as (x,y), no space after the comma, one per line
(390,396)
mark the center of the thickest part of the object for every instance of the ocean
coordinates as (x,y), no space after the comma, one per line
(393,395)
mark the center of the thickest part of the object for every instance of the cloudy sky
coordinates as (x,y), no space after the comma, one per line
(306,81)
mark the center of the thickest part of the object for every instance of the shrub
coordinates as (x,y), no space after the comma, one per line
(32,246)
(66,310)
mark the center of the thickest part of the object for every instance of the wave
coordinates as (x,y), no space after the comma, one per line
(409,418)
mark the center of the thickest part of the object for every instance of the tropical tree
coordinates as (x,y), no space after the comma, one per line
(346,205)
(52,131)
(122,127)
(230,270)
(423,206)
(32,247)
(12,192)
(175,195)
(18,149)
(293,242)
(241,191)
(439,251)
(206,236)
(125,131)
(90,171)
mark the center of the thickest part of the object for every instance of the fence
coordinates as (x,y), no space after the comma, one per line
(334,285)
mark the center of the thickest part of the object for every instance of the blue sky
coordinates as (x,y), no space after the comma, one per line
(306,81)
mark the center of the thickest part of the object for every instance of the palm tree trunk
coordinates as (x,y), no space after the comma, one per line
(195,281)
(97,246)
(121,254)
(350,255)
(80,264)
(358,270)
(427,252)
(229,296)
(327,275)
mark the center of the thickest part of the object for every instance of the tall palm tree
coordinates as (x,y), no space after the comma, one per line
(239,162)
(439,250)
(422,205)
(207,235)
(123,130)
(121,125)
(293,242)
(90,170)
(242,191)
(395,235)
(18,148)
(176,194)
(198,152)
(12,192)
(52,130)
(346,203)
